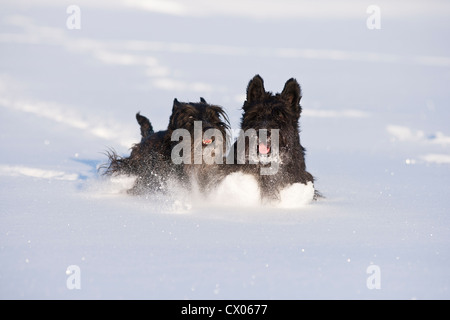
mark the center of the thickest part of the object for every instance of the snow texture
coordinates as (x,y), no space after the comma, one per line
(375,124)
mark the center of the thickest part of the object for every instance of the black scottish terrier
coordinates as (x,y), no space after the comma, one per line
(188,152)
(273,153)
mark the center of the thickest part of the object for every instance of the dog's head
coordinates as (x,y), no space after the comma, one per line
(205,124)
(266,114)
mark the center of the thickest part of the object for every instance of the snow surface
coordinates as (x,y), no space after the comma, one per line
(375,126)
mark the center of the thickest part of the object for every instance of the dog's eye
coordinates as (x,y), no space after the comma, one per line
(280,115)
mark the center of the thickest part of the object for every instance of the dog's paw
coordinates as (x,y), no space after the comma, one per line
(296,195)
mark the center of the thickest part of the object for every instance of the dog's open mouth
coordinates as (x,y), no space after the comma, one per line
(263,148)
(206,142)
(265,154)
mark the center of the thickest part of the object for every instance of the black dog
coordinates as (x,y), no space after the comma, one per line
(268,146)
(162,157)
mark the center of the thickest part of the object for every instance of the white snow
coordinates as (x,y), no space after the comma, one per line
(374,123)
(37,173)
(296,196)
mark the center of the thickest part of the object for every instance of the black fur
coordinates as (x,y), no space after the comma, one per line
(264,110)
(151,159)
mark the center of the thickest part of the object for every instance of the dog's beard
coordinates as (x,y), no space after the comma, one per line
(264,150)
(264,159)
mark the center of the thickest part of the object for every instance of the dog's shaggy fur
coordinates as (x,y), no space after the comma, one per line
(264,110)
(151,160)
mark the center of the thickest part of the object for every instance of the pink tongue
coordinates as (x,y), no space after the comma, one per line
(207,141)
(263,149)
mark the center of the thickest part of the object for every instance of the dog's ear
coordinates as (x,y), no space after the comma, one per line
(175,110)
(176,105)
(292,93)
(146,126)
(255,89)
(202,100)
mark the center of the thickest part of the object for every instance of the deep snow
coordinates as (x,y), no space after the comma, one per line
(375,126)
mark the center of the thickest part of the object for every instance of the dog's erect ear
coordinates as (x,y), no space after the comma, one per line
(202,100)
(292,93)
(255,89)
(176,105)
(146,126)
(175,110)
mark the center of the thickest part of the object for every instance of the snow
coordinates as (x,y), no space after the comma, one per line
(374,123)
